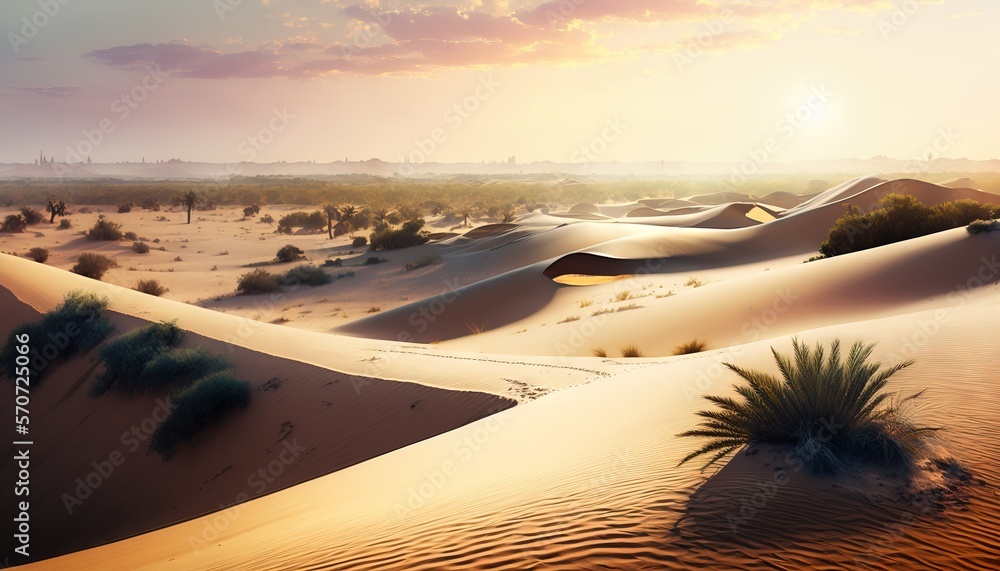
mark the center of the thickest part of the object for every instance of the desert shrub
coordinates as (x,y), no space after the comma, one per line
(93,265)
(306,220)
(623,295)
(692,346)
(40,255)
(267,219)
(306,274)
(197,407)
(126,357)
(333,263)
(105,229)
(631,351)
(85,210)
(65,224)
(251,211)
(31,216)
(140,247)
(422,263)
(181,367)
(410,234)
(599,352)
(289,253)
(831,411)
(125,208)
(13,223)
(258,281)
(152,287)
(150,203)
(347,274)
(130,236)
(359,241)
(899,217)
(373,260)
(978,226)
(77,324)
(284,230)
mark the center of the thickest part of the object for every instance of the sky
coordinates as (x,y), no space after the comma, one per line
(482,80)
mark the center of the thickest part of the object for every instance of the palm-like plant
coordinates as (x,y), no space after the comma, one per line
(831,410)
(332,212)
(189,199)
(346,213)
(381,215)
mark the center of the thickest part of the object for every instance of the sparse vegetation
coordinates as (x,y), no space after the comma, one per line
(599,352)
(267,219)
(65,224)
(569,319)
(40,255)
(197,407)
(979,226)
(623,295)
(694,282)
(832,412)
(692,346)
(631,351)
(126,357)
(105,230)
(13,224)
(359,241)
(31,216)
(93,265)
(410,234)
(140,247)
(290,253)
(373,260)
(422,263)
(585,303)
(77,324)
(628,307)
(308,275)
(475,329)
(130,236)
(180,367)
(125,208)
(374,309)
(258,281)
(152,287)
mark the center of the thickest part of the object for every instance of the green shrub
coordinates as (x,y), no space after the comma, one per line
(306,274)
(196,408)
(258,281)
(899,217)
(106,230)
(31,216)
(40,255)
(422,262)
(290,253)
(77,324)
(832,412)
(126,357)
(306,220)
(410,234)
(93,265)
(140,247)
(152,287)
(14,224)
(180,366)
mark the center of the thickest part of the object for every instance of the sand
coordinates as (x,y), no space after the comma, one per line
(582,473)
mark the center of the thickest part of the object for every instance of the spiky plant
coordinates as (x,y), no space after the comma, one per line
(832,411)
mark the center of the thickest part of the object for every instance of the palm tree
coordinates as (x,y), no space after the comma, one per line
(381,215)
(346,213)
(56,208)
(831,411)
(332,211)
(190,199)
(507,214)
(465,212)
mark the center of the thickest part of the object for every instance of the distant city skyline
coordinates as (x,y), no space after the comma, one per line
(448,81)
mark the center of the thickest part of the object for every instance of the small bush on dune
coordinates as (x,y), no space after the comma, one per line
(65,224)
(693,346)
(152,287)
(422,263)
(32,216)
(290,253)
(833,412)
(373,260)
(125,208)
(308,275)
(599,352)
(180,366)
(106,230)
(140,247)
(126,357)
(267,219)
(13,224)
(979,226)
(258,281)
(78,324)
(92,265)
(359,241)
(631,351)
(40,255)
(130,236)
(197,407)
(315,220)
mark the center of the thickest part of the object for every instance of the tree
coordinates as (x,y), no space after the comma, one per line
(346,213)
(56,209)
(332,211)
(507,214)
(381,215)
(190,199)
(466,212)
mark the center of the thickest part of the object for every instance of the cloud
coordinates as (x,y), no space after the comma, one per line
(58,91)
(185,60)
